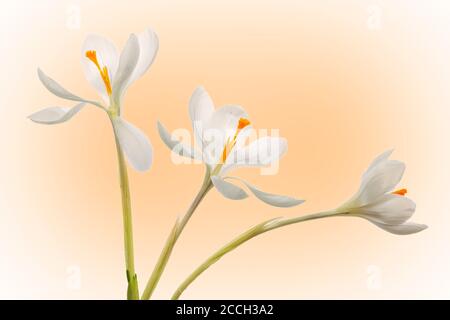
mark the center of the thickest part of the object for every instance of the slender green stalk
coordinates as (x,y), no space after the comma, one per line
(173,237)
(132,290)
(244,237)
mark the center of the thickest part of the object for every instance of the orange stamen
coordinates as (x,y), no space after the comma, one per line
(400,192)
(92,55)
(243,123)
(225,151)
(229,145)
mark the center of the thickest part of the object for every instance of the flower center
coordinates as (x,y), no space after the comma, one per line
(231,142)
(400,192)
(92,55)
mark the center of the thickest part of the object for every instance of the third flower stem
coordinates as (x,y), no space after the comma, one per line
(244,237)
(173,237)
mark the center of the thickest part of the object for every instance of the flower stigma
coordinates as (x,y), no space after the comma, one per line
(92,55)
(230,144)
(400,192)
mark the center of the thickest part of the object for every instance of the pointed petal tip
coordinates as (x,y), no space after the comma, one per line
(389,152)
(297,202)
(32,118)
(411,228)
(142,165)
(422,227)
(272,199)
(150,29)
(384,156)
(143,168)
(133,37)
(287,203)
(402,229)
(55,115)
(198,91)
(41,75)
(45,79)
(153,33)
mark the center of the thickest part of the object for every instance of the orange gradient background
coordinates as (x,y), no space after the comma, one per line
(339,86)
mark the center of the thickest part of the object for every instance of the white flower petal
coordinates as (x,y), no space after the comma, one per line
(275,200)
(127,63)
(134,143)
(228,190)
(390,209)
(107,56)
(55,88)
(382,179)
(54,115)
(402,229)
(260,152)
(177,146)
(148,47)
(376,162)
(220,128)
(201,108)
(226,119)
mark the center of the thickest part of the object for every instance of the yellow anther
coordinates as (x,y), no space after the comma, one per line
(92,55)
(230,144)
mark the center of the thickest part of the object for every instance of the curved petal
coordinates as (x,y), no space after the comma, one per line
(226,119)
(107,56)
(177,146)
(54,115)
(382,179)
(382,158)
(55,88)
(402,229)
(127,63)
(148,47)
(134,143)
(219,129)
(228,190)
(275,200)
(390,209)
(201,108)
(260,152)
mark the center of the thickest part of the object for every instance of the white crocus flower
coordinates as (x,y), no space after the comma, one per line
(221,134)
(110,74)
(377,201)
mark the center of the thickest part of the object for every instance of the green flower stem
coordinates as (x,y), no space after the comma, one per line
(173,237)
(244,237)
(132,291)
